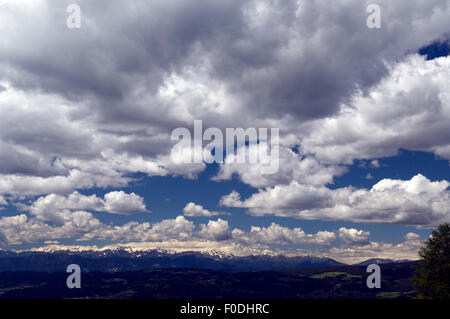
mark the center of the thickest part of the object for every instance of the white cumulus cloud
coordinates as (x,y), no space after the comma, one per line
(194,210)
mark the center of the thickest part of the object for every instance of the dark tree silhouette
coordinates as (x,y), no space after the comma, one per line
(432,278)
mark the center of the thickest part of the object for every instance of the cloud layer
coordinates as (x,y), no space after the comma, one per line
(83,109)
(417,201)
(107,96)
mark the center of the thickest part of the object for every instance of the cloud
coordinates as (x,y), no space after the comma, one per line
(282,198)
(180,235)
(231,200)
(168,229)
(22,185)
(215,230)
(292,166)
(353,236)
(276,234)
(407,249)
(178,228)
(83,226)
(76,115)
(418,202)
(58,208)
(193,210)
(51,242)
(21,229)
(375,163)
(408,109)
(411,237)
(119,202)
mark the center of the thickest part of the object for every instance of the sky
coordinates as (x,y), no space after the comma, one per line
(87,113)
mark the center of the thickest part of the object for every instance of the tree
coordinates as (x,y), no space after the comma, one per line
(432,278)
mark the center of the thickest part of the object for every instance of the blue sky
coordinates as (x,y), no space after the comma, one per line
(87,115)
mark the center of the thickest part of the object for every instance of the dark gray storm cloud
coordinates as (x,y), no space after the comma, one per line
(112,91)
(278,57)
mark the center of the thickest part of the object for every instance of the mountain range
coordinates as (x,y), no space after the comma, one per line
(381,261)
(123,260)
(119,260)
